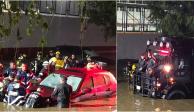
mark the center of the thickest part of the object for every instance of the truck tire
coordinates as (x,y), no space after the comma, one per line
(176,94)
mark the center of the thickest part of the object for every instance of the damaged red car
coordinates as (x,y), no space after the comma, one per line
(87,84)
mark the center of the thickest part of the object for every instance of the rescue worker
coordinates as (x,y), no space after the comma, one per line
(73,61)
(151,64)
(45,70)
(25,74)
(59,63)
(151,61)
(142,63)
(11,70)
(63,93)
(16,92)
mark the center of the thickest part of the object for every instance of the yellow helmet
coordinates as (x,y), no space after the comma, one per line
(133,67)
(57,52)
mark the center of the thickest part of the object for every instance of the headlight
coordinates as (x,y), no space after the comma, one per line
(167,68)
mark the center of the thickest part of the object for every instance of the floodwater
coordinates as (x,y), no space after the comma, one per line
(127,101)
(105,104)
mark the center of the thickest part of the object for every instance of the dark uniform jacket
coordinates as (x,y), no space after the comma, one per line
(62,91)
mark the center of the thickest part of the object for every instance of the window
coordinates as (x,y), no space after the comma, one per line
(99,81)
(88,83)
(54,79)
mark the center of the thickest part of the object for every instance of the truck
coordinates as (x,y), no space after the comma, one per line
(173,76)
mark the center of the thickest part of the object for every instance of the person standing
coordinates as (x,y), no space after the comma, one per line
(63,93)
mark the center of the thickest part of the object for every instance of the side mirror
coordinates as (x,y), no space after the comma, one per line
(86,90)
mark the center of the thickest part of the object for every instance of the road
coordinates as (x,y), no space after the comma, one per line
(127,101)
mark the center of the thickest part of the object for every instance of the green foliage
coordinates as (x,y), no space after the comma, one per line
(42,41)
(34,19)
(173,18)
(103,13)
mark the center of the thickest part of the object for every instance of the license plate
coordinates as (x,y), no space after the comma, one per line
(138,87)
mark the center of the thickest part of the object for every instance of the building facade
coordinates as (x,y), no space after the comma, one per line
(133,16)
(133,28)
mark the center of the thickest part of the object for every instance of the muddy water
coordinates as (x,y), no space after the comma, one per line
(105,104)
(128,101)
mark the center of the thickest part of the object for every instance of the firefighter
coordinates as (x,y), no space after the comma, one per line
(63,93)
(25,74)
(151,61)
(44,71)
(59,63)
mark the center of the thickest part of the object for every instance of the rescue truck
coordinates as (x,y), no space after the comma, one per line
(173,76)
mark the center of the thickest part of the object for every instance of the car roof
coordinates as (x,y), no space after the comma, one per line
(79,72)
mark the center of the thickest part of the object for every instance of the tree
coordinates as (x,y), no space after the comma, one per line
(11,16)
(173,18)
(103,13)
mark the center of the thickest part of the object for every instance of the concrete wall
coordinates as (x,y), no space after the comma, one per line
(131,45)
(62,31)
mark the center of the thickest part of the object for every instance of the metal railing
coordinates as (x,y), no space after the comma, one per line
(133,17)
(144,85)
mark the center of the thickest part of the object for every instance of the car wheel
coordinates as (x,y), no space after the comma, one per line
(176,94)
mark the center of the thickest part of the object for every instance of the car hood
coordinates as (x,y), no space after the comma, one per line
(47,92)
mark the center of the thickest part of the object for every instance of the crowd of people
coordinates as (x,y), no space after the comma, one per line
(18,76)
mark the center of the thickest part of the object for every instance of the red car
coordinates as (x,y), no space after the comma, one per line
(86,83)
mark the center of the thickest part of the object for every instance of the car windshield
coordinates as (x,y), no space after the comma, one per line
(54,79)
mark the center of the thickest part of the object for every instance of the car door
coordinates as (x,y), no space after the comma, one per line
(99,85)
(87,91)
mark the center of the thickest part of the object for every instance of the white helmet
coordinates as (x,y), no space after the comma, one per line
(45,63)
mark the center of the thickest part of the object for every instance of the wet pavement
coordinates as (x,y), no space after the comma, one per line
(105,104)
(127,101)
